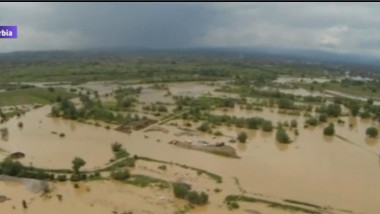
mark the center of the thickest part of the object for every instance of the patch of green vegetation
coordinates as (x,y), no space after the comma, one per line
(282,136)
(372,132)
(121,174)
(329,130)
(311,121)
(32,96)
(231,199)
(331,110)
(119,151)
(242,137)
(183,191)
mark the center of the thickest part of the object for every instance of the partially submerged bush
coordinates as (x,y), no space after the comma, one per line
(183,191)
(120,174)
(267,126)
(372,132)
(329,130)
(242,137)
(311,121)
(281,135)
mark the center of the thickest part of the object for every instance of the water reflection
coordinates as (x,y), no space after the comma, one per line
(242,146)
(328,139)
(371,141)
(282,146)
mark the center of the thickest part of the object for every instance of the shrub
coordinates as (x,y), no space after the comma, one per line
(312,121)
(281,135)
(333,110)
(329,130)
(372,132)
(242,137)
(267,126)
(116,147)
(181,190)
(197,198)
(120,174)
(10,167)
(77,164)
(232,205)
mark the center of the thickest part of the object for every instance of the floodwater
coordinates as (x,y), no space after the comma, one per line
(96,197)
(327,171)
(266,113)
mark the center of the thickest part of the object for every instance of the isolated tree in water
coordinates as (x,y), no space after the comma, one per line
(329,130)
(242,137)
(77,164)
(372,132)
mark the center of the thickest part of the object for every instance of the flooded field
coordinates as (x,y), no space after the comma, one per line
(327,171)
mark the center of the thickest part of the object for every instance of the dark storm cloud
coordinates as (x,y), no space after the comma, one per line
(134,24)
(338,27)
(78,25)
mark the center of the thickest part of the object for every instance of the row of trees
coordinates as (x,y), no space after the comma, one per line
(91,109)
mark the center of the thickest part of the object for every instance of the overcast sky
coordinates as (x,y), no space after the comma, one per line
(337,27)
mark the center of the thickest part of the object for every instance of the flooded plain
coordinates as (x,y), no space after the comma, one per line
(327,171)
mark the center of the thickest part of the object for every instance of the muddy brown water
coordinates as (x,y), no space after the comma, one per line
(314,169)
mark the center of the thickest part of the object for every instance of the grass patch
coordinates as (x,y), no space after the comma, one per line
(32,96)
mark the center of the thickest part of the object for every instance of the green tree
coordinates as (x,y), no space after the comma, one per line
(267,126)
(372,132)
(312,121)
(197,198)
(181,190)
(77,164)
(333,110)
(281,135)
(329,130)
(116,147)
(10,167)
